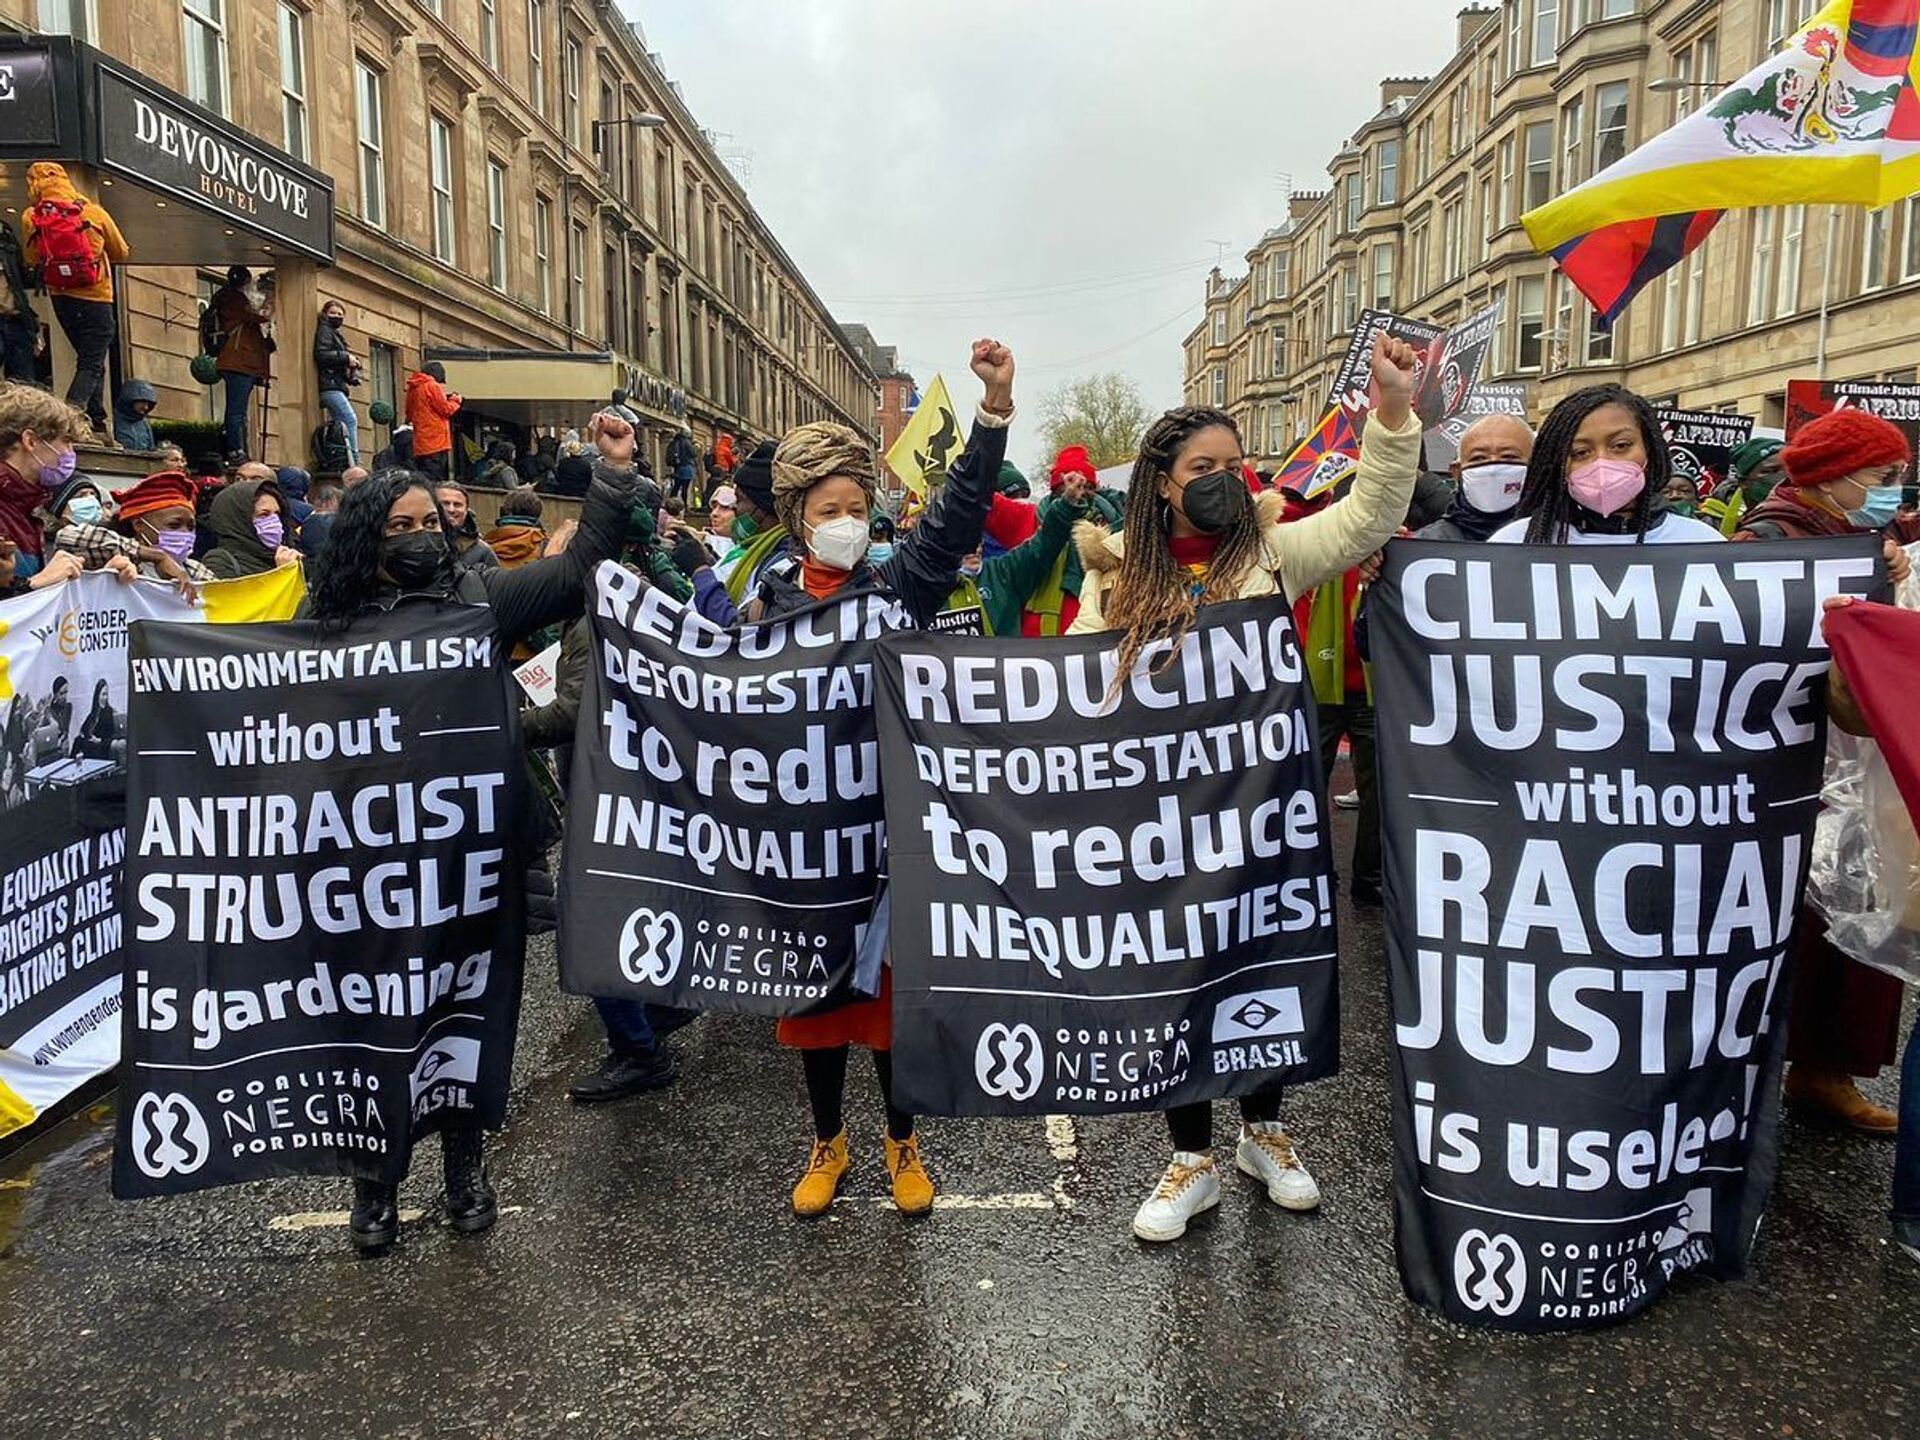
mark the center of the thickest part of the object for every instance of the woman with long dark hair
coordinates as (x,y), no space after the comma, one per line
(1195,536)
(1599,476)
(391,546)
(100,729)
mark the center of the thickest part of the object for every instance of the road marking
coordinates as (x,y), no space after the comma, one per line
(1063,1139)
(337,1219)
(1019,1200)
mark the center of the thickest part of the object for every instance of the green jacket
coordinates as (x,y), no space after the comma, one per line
(1000,593)
(1064,577)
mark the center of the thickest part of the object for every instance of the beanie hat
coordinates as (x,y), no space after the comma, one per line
(1012,482)
(64,496)
(1840,443)
(754,479)
(813,453)
(1073,460)
(1745,457)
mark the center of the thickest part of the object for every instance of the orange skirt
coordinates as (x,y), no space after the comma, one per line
(860,1022)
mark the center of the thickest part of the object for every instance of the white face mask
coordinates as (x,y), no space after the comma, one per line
(841,543)
(1493,488)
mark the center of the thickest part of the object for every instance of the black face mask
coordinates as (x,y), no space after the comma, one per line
(414,561)
(336,321)
(1214,502)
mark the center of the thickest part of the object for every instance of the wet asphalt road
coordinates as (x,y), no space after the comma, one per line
(647,1279)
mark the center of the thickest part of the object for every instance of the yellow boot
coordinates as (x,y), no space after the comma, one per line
(827,1164)
(912,1186)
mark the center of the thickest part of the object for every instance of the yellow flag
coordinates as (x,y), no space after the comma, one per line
(274,595)
(931,442)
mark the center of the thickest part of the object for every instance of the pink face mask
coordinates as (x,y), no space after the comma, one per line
(1604,486)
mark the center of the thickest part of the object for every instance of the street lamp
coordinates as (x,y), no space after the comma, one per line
(644,121)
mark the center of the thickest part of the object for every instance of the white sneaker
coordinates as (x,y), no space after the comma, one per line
(1191,1185)
(1266,1152)
(1348,801)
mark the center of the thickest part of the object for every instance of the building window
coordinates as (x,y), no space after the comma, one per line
(1276,431)
(615,311)
(1670,303)
(1453,240)
(1219,385)
(1599,339)
(293,80)
(203,25)
(1418,258)
(543,254)
(612,138)
(1560,342)
(371,120)
(1487,221)
(496,225)
(1355,200)
(1349,297)
(1529,308)
(570,96)
(1875,251)
(1793,227)
(1507,188)
(1784,19)
(1278,340)
(1910,264)
(382,368)
(440,157)
(1696,294)
(1539,164)
(1546,30)
(1573,122)
(1382,277)
(490,33)
(1609,124)
(1760,275)
(78,18)
(577,278)
(1386,177)
(537,55)
(1615,9)
(1280,279)
(1220,327)
(1516,24)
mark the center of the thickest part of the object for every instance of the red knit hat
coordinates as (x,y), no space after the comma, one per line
(168,489)
(1011,523)
(1073,460)
(1841,443)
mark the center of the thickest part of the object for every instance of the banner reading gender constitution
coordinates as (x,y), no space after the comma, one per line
(1599,769)
(324,897)
(725,840)
(1106,904)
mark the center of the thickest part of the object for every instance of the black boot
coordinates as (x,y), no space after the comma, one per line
(470,1203)
(375,1222)
(624,1073)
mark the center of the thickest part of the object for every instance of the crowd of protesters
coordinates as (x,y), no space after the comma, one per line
(796,522)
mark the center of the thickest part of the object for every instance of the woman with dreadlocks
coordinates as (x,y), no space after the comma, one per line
(824,480)
(1599,476)
(1195,536)
(391,546)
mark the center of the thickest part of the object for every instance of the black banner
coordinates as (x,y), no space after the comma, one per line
(1441,444)
(1446,367)
(1702,443)
(324,897)
(1599,773)
(725,841)
(1106,905)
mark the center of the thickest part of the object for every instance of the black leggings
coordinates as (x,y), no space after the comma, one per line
(1191,1126)
(826,1072)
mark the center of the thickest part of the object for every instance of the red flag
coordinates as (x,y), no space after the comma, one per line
(1877,648)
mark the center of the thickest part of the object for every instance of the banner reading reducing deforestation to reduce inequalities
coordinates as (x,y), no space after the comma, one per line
(324,897)
(725,842)
(1106,904)
(1599,772)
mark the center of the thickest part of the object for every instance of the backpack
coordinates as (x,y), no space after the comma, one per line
(330,453)
(212,338)
(67,261)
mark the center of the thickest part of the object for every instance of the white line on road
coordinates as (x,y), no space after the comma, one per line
(1019,1200)
(337,1219)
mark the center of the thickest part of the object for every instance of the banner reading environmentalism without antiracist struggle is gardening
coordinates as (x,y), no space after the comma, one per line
(324,897)
(725,843)
(1106,898)
(1599,770)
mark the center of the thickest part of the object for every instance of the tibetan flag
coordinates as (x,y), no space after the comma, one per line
(1326,457)
(931,442)
(1832,117)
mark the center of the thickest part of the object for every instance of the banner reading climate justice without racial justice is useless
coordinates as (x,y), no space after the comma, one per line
(1599,774)
(726,843)
(1106,901)
(324,897)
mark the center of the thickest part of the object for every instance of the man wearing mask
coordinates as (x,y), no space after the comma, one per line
(1488,474)
(1752,471)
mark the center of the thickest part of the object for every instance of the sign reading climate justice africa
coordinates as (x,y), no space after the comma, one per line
(324,897)
(1600,769)
(726,841)
(1701,443)
(1106,902)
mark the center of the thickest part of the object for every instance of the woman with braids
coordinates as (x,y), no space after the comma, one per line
(391,547)
(824,481)
(1599,476)
(1195,536)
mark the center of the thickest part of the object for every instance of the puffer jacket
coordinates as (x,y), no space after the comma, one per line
(1295,558)
(331,357)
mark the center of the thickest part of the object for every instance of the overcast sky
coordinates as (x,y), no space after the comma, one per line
(1052,172)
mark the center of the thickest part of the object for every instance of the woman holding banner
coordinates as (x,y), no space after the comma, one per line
(824,484)
(391,546)
(1194,535)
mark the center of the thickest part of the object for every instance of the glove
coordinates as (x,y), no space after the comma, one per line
(689,554)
